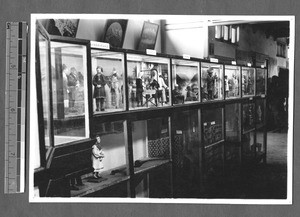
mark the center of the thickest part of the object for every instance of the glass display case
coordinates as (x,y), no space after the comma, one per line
(69,92)
(186,152)
(148,80)
(261,76)
(248,117)
(248,81)
(233,134)
(144,154)
(185,81)
(232,81)
(107,81)
(212,81)
(151,150)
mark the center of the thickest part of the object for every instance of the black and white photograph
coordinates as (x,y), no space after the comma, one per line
(179,120)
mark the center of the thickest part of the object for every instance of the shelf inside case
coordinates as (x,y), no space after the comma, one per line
(151,142)
(212,85)
(148,81)
(185,81)
(112,165)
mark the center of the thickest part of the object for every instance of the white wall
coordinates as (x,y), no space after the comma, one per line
(94,30)
(184,37)
(250,40)
(139,140)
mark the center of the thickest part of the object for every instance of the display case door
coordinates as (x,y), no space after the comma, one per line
(43,72)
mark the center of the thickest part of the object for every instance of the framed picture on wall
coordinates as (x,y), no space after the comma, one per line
(148,36)
(62,27)
(115,30)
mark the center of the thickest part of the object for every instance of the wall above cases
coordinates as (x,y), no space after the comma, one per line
(141,105)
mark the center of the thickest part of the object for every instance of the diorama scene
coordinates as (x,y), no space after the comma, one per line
(160,108)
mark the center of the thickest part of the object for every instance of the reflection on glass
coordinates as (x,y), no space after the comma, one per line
(232,81)
(233,121)
(260,109)
(212,120)
(185,81)
(233,132)
(108,81)
(260,81)
(248,146)
(151,149)
(248,81)
(248,117)
(150,140)
(44,67)
(186,154)
(260,140)
(148,81)
(69,92)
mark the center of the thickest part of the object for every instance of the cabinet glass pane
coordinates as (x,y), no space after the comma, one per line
(233,122)
(260,112)
(212,124)
(248,117)
(185,81)
(248,146)
(114,164)
(232,81)
(248,81)
(233,134)
(211,81)
(151,142)
(151,150)
(260,149)
(69,92)
(44,74)
(107,81)
(186,152)
(260,81)
(148,81)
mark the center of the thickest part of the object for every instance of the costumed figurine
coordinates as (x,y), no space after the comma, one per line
(139,90)
(226,86)
(73,83)
(97,157)
(210,82)
(115,87)
(99,88)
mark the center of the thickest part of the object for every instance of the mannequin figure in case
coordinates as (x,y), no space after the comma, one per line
(99,88)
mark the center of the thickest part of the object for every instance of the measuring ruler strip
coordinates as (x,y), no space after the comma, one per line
(15,105)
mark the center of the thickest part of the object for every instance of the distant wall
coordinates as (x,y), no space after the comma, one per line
(250,41)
